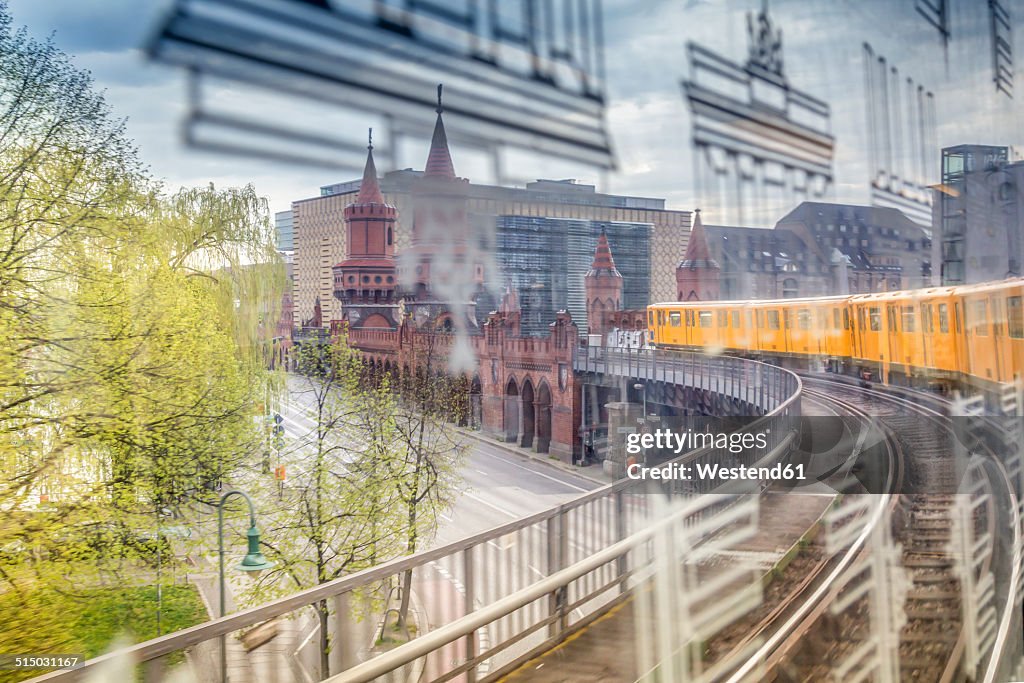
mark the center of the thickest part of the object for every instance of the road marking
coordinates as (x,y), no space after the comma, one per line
(491,505)
(530,469)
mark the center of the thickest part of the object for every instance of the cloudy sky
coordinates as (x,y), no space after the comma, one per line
(646,60)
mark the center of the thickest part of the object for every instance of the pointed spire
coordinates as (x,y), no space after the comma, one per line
(509,300)
(603,263)
(369,189)
(698,253)
(439,161)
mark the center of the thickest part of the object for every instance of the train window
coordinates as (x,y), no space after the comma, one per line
(723,318)
(846,319)
(956,317)
(674,318)
(760,320)
(650,317)
(944,318)
(736,319)
(909,322)
(773,320)
(705,318)
(875,313)
(689,318)
(822,319)
(786,319)
(835,318)
(927,326)
(890,313)
(979,318)
(1015,317)
(803,319)
(750,322)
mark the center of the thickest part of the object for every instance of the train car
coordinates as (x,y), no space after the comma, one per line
(937,337)
(992,335)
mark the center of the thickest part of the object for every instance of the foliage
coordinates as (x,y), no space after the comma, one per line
(89,623)
(366,483)
(134,325)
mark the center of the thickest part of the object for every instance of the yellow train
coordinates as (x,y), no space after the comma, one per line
(939,336)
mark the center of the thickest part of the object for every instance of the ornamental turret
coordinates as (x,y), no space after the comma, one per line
(698,275)
(603,284)
(366,282)
(442,272)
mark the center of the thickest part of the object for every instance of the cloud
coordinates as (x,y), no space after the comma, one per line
(646,59)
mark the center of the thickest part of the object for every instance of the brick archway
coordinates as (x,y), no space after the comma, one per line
(476,409)
(511,414)
(543,413)
(528,415)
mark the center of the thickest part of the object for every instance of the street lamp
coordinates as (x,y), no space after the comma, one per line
(252,562)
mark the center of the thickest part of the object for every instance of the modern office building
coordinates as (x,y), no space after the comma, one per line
(821,249)
(283,229)
(539,211)
(978,216)
(544,260)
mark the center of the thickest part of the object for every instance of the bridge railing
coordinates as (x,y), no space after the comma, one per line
(280,640)
(763,386)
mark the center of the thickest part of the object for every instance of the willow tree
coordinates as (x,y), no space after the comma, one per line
(133,324)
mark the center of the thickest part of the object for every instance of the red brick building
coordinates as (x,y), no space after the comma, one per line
(412,311)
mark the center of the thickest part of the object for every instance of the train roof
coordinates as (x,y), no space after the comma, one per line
(751,302)
(960,290)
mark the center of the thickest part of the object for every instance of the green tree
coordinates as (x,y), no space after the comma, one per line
(134,326)
(337,512)
(427,451)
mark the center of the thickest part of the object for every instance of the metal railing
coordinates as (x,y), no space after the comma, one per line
(565,566)
(763,386)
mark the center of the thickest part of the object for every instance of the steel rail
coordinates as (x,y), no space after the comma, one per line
(827,587)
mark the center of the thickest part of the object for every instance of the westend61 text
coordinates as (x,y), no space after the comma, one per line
(680,442)
(708,471)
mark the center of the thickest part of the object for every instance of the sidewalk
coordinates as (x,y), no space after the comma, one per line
(594,473)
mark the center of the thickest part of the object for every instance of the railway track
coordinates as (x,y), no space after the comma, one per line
(785,627)
(932,639)
(802,638)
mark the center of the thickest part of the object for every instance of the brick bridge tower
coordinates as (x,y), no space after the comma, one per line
(698,276)
(603,284)
(366,281)
(441,273)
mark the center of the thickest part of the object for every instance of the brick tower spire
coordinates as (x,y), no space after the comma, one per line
(439,161)
(603,283)
(366,281)
(441,273)
(698,275)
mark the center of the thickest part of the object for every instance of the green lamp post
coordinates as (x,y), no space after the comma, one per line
(252,562)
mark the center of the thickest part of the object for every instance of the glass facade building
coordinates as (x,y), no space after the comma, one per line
(545,261)
(285,231)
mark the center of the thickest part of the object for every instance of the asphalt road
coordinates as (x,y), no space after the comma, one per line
(497,487)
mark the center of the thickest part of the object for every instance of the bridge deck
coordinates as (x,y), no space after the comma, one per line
(606,649)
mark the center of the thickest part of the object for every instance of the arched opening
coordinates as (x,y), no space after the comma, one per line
(476,411)
(789,288)
(511,411)
(529,424)
(445,324)
(543,410)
